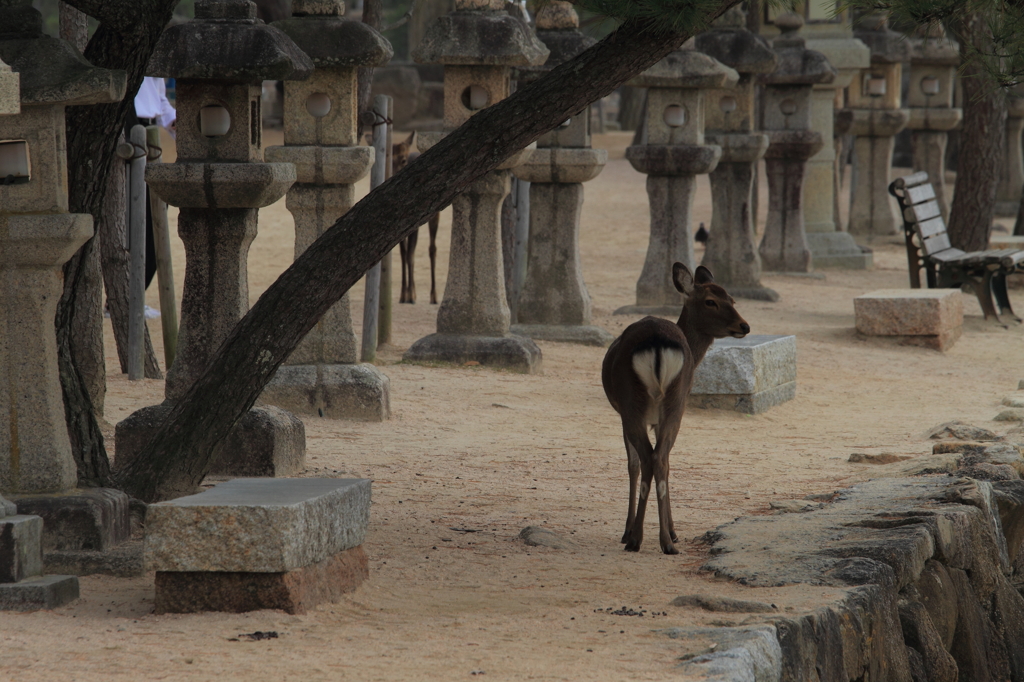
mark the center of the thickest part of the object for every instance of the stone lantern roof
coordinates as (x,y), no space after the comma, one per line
(472,36)
(887,46)
(52,71)
(558,28)
(687,69)
(329,40)
(226,42)
(732,44)
(797,64)
(935,48)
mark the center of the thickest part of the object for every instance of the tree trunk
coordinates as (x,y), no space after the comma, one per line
(983,132)
(125,39)
(754,11)
(631,105)
(1018,226)
(179,456)
(372,13)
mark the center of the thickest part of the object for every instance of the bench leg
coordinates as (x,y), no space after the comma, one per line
(983,290)
(1001,295)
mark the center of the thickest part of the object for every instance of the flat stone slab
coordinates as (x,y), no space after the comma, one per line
(266,441)
(935,315)
(333,391)
(236,592)
(43,592)
(587,335)
(258,525)
(21,554)
(838,250)
(123,561)
(511,352)
(82,519)
(747,375)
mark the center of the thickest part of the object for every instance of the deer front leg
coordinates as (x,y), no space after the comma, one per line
(633,464)
(403,252)
(432,251)
(410,263)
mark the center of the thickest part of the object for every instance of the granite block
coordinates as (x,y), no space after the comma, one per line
(751,403)
(44,592)
(909,312)
(746,366)
(510,352)
(258,525)
(81,519)
(343,391)
(236,592)
(21,554)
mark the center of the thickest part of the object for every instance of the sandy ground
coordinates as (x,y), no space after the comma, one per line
(471,456)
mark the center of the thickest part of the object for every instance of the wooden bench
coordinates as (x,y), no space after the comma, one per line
(928,248)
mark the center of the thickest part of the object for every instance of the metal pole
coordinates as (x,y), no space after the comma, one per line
(164,267)
(520,243)
(371,300)
(137,254)
(384,330)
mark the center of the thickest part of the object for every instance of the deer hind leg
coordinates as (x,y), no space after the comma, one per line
(410,264)
(403,251)
(432,252)
(668,429)
(635,530)
(633,464)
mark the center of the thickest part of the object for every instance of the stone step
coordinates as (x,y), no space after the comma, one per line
(85,519)
(932,318)
(41,592)
(21,554)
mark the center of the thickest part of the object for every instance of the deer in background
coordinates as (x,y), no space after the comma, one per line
(401,155)
(647,375)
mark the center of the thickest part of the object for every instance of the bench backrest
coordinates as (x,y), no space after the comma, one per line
(921,212)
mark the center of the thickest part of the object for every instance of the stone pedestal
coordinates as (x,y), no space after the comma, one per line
(749,375)
(731,252)
(874,100)
(932,318)
(478,45)
(674,154)
(787,122)
(322,375)
(23,587)
(220,182)
(251,544)
(1011,177)
(554,304)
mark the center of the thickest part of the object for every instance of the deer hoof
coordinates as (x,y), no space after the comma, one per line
(633,545)
(669,549)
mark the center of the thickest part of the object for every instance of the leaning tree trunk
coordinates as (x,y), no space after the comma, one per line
(179,455)
(125,39)
(984,133)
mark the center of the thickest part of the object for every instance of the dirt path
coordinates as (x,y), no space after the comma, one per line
(471,456)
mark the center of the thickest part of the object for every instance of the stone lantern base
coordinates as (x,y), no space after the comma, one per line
(266,441)
(337,391)
(511,352)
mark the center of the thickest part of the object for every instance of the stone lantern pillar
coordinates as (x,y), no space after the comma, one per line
(874,104)
(933,64)
(554,304)
(478,44)
(787,121)
(674,155)
(37,236)
(1011,175)
(731,250)
(10,92)
(219,182)
(322,376)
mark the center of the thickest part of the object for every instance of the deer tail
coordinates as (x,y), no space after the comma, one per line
(658,367)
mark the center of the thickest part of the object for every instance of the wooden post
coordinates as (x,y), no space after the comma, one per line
(162,246)
(384,329)
(371,300)
(519,243)
(137,253)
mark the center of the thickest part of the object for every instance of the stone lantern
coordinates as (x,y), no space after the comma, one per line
(322,375)
(554,303)
(673,155)
(37,236)
(731,250)
(1011,174)
(874,104)
(219,182)
(786,112)
(933,63)
(478,44)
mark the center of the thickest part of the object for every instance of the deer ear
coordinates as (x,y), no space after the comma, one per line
(703,275)
(411,140)
(682,278)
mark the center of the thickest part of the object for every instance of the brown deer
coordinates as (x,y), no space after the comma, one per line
(401,155)
(647,375)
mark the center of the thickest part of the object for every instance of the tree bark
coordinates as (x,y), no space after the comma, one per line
(983,132)
(125,39)
(372,13)
(179,456)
